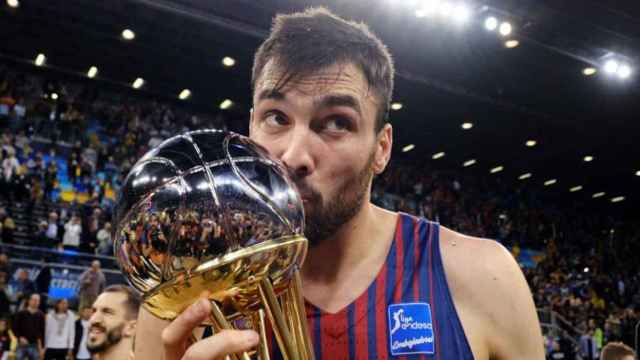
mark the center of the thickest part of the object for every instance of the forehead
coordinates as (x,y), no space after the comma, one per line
(343,78)
(111,300)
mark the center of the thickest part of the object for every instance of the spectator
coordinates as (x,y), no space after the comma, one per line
(588,346)
(8,341)
(52,229)
(72,232)
(92,283)
(617,351)
(105,245)
(10,166)
(28,327)
(59,332)
(8,226)
(5,265)
(5,299)
(24,287)
(80,351)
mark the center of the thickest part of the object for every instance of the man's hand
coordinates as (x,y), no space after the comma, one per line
(175,338)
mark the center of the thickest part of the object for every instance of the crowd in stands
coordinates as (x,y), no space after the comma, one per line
(70,154)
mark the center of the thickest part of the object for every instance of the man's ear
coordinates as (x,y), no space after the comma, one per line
(130,328)
(384,144)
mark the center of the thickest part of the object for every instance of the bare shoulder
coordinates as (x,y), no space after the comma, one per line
(492,298)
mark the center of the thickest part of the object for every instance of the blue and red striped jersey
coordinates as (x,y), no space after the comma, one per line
(406,313)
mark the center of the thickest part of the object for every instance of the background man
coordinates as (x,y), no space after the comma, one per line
(92,283)
(28,327)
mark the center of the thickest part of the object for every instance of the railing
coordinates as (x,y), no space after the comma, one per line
(50,256)
(557,326)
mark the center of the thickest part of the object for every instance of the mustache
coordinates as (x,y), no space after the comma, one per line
(98,327)
(304,189)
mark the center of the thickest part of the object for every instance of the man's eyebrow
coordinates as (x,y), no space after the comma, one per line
(346,100)
(271,94)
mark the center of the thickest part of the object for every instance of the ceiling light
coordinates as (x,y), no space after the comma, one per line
(54,96)
(505,29)
(445,8)
(137,84)
(497,169)
(226,104)
(420,13)
(467,125)
(550,182)
(524,176)
(588,158)
(617,199)
(469,163)
(624,71)
(408,148)
(491,23)
(597,195)
(611,66)
(396,106)
(127,34)
(510,44)
(184,94)
(638,173)
(461,13)
(576,188)
(40,59)
(588,71)
(531,143)
(438,155)
(13,3)
(427,8)
(93,71)
(228,61)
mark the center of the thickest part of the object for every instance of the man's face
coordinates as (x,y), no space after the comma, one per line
(322,127)
(34,301)
(85,314)
(108,321)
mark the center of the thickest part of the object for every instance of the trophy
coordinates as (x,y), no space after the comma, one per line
(209,213)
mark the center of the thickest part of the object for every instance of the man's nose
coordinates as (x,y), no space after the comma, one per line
(297,153)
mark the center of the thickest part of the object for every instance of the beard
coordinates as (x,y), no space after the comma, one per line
(324,218)
(112,337)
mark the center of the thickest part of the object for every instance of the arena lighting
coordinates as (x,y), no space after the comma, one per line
(576,188)
(524,176)
(550,182)
(491,23)
(467,126)
(588,158)
(505,29)
(228,61)
(54,96)
(496,169)
(638,173)
(611,66)
(510,44)
(531,143)
(93,71)
(396,106)
(13,3)
(128,34)
(624,71)
(586,270)
(408,148)
(438,155)
(598,195)
(617,199)
(427,7)
(588,71)
(445,8)
(469,163)
(137,84)
(226,104)
(503,216)
(461,13)
(40,59)
(184,94)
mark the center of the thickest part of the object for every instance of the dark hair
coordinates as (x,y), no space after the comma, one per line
(312,40)
(132,302)
(616,351)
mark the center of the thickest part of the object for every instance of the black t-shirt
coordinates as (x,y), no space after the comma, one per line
(29,325)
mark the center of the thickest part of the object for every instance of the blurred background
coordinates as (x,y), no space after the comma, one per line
(513,120)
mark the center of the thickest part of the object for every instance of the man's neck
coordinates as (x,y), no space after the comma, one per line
(119,351)
(32,310)
(340,268)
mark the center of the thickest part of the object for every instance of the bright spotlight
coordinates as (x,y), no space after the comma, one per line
(531,143)
(467,126)
(550,182)
(40,59)
(496,169)
(524,176)
(469,163)
(128,34)
(137,84)
(510,44)
(588,158)
(396,106)
(93,71)
(611,66)
(505,28)
(491,23)
(624,71)
(438,155)
(617,199)
(13,3)
(638,173)
(427,7)
(598,195)
(445,8)
(228,61)
(461,13)
(576,188)
(588,71)
(408,148)
(54,96)
(184,94)
(586,270)
(226,104)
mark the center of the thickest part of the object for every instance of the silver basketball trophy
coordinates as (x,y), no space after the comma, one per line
(209,213)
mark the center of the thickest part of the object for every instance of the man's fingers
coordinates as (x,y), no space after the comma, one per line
(174,336)
(221,344)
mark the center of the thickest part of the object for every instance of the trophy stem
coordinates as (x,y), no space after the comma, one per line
(278,322)
(221,323)
(301,331)
(259,324)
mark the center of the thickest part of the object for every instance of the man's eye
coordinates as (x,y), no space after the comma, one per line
(275,119)
(338,124)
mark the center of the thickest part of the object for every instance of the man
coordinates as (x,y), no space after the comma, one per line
(28,327)
(92,282)
(80,351)
(321,92)
(112,326)
(617,351)
(24,287)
